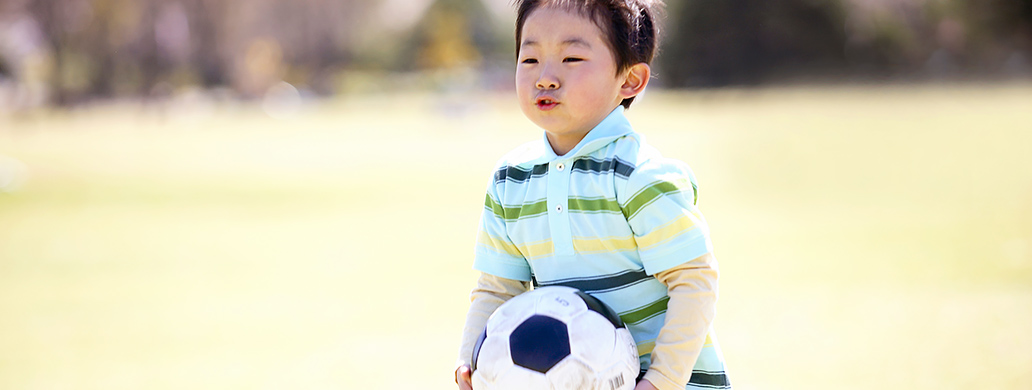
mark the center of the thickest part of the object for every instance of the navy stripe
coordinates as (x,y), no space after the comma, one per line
(601,283)
(518,175)
(615,165)
(714,380)
(584,164)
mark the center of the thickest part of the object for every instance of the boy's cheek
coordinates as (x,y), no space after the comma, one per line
(524,89)
(523,79)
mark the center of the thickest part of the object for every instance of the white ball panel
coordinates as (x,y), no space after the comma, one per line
(618,377)
(519,378)
(593,340)
(494,357)
(508,316)
(561,303)
(480,382)
(572,374)
(624,362)
(626,341)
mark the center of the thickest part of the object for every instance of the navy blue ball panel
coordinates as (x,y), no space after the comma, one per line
(476,350)
(597,306)
(539,343)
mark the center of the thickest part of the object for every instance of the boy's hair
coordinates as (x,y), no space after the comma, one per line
(629,27)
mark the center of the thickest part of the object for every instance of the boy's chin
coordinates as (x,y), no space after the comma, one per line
(558,125)
(550,120)
(566,133)
(554,126)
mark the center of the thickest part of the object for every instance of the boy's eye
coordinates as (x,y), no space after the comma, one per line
(572,59)
(530,61)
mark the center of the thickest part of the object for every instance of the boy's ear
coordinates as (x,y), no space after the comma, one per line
(636,78)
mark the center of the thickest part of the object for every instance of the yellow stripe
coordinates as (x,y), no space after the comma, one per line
(537,249)
(498,244)
(646,348)
(672,229)
(596,245)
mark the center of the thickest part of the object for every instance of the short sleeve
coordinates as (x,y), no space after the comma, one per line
(660,206)
(495,252)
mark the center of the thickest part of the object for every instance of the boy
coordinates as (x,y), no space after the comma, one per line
(592,206)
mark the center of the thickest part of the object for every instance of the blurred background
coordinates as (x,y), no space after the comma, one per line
(269,194)
(69,52)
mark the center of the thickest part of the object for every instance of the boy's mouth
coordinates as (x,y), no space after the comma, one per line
(546,103)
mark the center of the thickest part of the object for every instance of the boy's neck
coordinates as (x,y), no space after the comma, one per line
(563,143)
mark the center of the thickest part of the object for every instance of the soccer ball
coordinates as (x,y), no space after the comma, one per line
(555,338)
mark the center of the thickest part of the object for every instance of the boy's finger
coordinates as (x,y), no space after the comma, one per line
(463,372)
(463,377)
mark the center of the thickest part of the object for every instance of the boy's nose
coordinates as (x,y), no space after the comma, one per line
(547,82)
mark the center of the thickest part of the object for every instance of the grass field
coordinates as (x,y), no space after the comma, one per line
(869,238)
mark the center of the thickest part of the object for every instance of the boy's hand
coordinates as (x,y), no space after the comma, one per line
(645,385)
(464,377)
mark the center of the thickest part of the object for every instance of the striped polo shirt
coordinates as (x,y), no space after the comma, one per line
(602,218)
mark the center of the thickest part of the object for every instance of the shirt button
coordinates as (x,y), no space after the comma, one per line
(560,166)
(559,208)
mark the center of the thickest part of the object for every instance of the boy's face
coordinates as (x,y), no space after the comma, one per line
(566,78)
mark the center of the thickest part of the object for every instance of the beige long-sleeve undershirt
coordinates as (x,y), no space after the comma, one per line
(692,288)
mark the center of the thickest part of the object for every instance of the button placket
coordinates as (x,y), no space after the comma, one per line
(558,202)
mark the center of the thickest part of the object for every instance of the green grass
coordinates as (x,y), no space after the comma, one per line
(868,237)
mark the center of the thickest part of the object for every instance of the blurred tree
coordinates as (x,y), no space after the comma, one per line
(83,49)
(206,25)
(453,33)
(997,31)
(104,48)
(722,42)
(45,13)
(887,37)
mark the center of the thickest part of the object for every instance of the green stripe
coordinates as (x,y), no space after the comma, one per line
(594,205)
(494,207)
(646,312)
(510,214)
(587,205)
(526,210)
(650,193)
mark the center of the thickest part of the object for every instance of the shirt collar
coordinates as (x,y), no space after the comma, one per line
(614,126)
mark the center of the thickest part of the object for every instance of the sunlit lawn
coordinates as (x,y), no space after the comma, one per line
(869,238)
